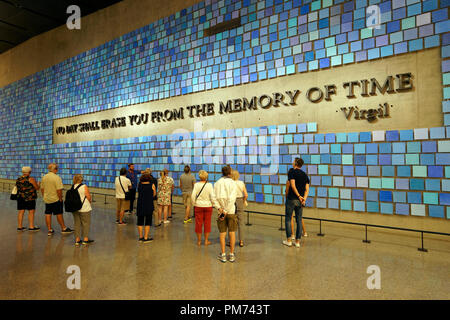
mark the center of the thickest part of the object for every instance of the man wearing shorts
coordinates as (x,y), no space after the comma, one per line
(187,181)
(123,185)
(51,188)
(225,190)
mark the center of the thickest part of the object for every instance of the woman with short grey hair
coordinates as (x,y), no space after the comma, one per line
(27,188)
(203,200)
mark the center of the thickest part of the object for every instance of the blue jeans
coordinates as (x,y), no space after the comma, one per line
(291,206)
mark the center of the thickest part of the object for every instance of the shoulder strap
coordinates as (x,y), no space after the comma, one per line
(121,185)
(84,195)
(77,187)
(198,194)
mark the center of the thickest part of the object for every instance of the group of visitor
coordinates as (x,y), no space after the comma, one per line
(228,195)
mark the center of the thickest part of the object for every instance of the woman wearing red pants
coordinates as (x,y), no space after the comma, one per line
(203,200)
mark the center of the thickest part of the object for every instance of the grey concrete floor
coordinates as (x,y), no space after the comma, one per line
(116,266)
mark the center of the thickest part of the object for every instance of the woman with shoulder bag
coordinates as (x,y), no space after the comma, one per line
(82,217)
(27,188)
(203,200)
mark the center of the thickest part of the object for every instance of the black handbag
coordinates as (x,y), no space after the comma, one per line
(14,193)
(127,194)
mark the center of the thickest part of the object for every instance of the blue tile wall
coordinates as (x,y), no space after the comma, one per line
(172,57)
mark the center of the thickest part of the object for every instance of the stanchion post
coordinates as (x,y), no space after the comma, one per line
(105,199)
(281,224)
(366,241)
(248,219)
(422,248)
(320,234)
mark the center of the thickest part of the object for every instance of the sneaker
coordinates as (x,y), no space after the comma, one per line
(67,230)
(222,257)
(170,218)
(117,221)
(77,243)
(189,220)
(167,221)
(148,240)
(293,238)
(158,225)
(34,229)
(185,221)
(297,244)
(232,258)
(21,229)
(287,243)
(141,239)
(50,232)
(123,223)
(87,242)
(305,234)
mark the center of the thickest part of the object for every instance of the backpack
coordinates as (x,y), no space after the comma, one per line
(73,200)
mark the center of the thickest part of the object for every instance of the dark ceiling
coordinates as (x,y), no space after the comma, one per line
(23,19)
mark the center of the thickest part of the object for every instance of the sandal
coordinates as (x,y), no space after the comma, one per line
(21,229)
(241,243)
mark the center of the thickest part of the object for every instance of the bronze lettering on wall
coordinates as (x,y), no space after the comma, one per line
(402,82)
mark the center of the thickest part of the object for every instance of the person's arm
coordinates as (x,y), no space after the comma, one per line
(232,197)
(154,189)
(220,201)
(194,195)
(181,185)
(245,193)
(215,203)
(287,189)
(306,193)
(60,188)
(34,183)
(42,187)
(87,193)
(294,189)
(60,195)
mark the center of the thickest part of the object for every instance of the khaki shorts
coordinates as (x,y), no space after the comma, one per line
(123,205)
(230,223)
(187,200)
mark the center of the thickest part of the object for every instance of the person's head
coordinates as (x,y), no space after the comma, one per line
(187,169)
(166,171)
(226,171)
(53,167)
(145,177)
(235,175)
(148,170)
(203,175)
(131,166)
(26,171)
(78,178)
(123,171)
(298,163)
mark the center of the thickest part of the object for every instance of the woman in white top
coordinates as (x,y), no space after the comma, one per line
(241,202)
(82,217)
(203,199)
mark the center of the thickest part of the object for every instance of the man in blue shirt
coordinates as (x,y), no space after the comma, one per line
(132,175)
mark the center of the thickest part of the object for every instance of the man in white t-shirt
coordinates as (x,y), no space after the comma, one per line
(123,184)
(225,190)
